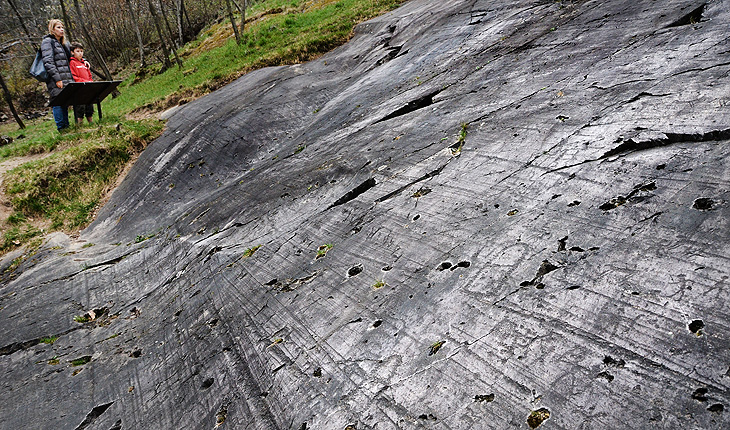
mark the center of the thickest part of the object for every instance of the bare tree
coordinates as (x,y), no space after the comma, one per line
(135,24)
(9,100)
(90,41)
(156,20)
(242,11)
(66,20)
(179,12)
(22,24)
(233,21)
(173,43)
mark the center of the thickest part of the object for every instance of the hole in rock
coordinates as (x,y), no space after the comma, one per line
(696,327)
(605,375)
(463,264)
(703,204)
(576,249)
(415,218)
(561,243)
(610,361)
(613,203)
(536,418)
(443,266)
(661,166)
(700,394)
(207,383)
(93,415)
(694,17)
(573,203)
(355,192)
(419,103)
(545,268)
(317,372)
(386,268)
(377,323)
(651,186)
(481,398)
(354,270)
(573,287)
(717,407)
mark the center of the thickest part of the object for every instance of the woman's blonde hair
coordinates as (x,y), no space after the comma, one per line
(52,24)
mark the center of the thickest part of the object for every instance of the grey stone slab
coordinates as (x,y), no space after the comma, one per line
(309,247)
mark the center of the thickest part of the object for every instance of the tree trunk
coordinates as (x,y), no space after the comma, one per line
(242,11)
(179,5)
(90,41)
(9,99)
(173,42)
(172,37)
(66,20)
(135,23)
(156,20)
(233,21)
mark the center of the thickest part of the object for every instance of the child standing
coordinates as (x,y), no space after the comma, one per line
(81,73)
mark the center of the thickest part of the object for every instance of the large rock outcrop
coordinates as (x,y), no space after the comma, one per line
(475,215)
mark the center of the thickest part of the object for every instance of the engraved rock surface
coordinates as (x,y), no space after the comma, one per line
(474,215)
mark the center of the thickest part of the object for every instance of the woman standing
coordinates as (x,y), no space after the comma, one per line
(56,55)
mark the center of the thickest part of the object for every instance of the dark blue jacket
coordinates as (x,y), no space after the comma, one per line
(56,60)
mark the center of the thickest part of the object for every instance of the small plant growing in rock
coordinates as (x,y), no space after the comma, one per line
(142,238)
(82,319)
(379,284)
(80,361)
(537,417)
(48,340)
(456,148)
(250,251)
(435,347)
(322,250)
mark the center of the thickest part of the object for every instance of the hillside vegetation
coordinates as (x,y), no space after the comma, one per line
(55,181)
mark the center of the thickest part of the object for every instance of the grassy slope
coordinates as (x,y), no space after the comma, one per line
(62,191)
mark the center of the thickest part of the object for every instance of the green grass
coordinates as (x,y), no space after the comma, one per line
(67,186)
(61,191)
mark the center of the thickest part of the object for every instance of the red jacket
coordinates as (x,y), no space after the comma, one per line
(79,71)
